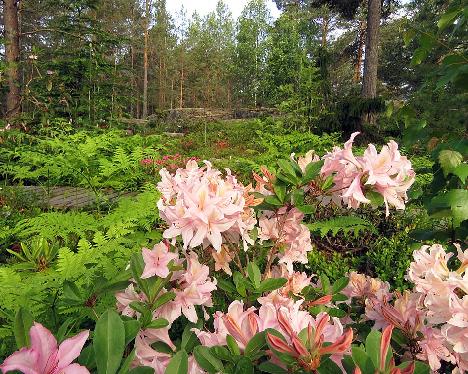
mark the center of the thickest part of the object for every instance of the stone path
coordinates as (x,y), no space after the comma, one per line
(72,197)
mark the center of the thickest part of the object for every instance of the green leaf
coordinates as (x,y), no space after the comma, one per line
(375,198)
(239,281)
(158,323)
(327,366)
(132,327)
(339,297)
(87,357)
(164,299)
(255,345)
(125,368)
(62,331)
(325,281)
(297,197)
(189,338)
(449,160)
(244,366)
(421,368)
(287,167)
(448,18)
(408,36)
(339,285)
(271,284)
(362,360)
(142,370)
(268,367)
(22,325)
(71,291)
(254,274)
(312,171)
(222,353)
(373,347)
(207,360)
(109,342)
(336,312)
(306,209)
(280,191)
(226,285)
(419,55)
(455,201)
(461,171)
(162,347)
(178,364)
(273,200)
(232,345)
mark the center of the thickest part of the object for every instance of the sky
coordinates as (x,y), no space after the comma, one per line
(203,7)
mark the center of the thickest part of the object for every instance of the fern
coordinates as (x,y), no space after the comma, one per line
(58,225)
(347,224)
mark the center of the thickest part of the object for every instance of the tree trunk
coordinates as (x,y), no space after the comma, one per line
(357,66)
(181,88)
(371,61)
(145,61)
(325,22)
(12,54)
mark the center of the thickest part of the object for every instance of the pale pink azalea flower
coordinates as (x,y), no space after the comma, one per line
(387,173)
(157,261)
(125,298)
(308,158)
(218,337)
(45,356)
(286,230)
(203,207)
(429,259)
(194,287)
(241,325)
(433,349)
(296,281)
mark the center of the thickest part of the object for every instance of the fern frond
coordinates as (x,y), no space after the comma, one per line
(347,224)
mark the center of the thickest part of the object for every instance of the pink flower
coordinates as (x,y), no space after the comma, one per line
(218,337)
(125,298)
(242,325)
(203,207)
(45,356)
(305,160)
(156,261)
(285,229)
(387,173)
(194,287)
(433,349)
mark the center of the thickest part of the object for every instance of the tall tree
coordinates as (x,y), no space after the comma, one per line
(145,59)
(371,60)
(12,56)
(251,52)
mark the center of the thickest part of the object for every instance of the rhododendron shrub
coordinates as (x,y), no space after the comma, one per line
(241,244)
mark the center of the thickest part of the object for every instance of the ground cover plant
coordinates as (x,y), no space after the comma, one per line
(233,245)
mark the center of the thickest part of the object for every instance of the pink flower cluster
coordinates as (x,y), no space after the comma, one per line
(192,287)
(242,324)
(204,208)
(434,314)
(292,239)
(387,173)
(45,356)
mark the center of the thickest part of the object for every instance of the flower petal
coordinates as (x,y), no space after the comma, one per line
(74,369)
(25,360)
(71,348)
(44,343)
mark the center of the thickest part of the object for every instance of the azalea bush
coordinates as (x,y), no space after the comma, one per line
(221,293)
